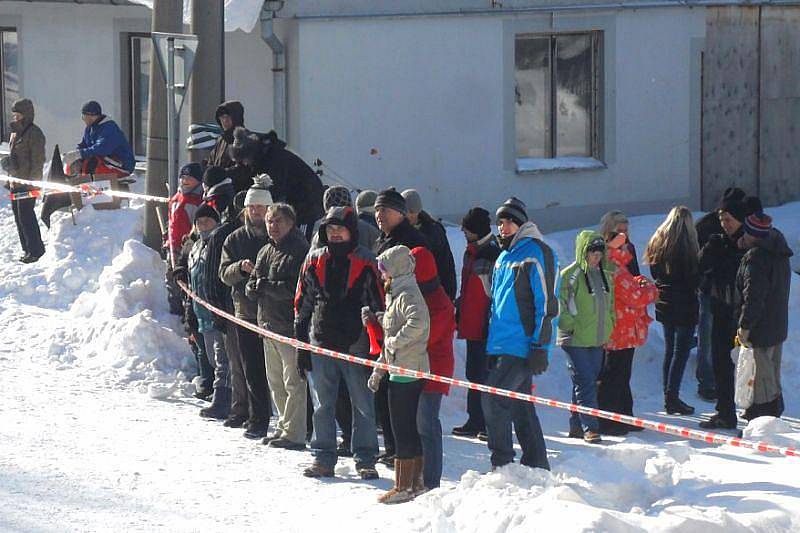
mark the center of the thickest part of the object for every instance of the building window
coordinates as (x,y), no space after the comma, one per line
(139,55)
(557,94)
(9,83)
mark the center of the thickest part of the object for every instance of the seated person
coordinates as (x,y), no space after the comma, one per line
(104,150)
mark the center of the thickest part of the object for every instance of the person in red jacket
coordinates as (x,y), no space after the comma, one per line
(473,309)
(632,295)
(442,363)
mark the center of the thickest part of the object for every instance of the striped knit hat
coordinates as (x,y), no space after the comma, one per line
(758,224)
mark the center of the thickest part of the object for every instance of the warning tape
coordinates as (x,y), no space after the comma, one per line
(703,436)
(84,188)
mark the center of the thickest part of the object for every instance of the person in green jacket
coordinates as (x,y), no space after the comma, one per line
(586,305)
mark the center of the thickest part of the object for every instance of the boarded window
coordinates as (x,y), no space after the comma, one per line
(557,95)
(9,84)
(139,54)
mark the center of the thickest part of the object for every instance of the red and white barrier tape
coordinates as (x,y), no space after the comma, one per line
(703,436)
(85,188)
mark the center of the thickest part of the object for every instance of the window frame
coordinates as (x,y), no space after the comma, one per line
(596,159)
(130,90)
(4,126)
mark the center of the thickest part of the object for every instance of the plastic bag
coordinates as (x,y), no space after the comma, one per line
(745,377)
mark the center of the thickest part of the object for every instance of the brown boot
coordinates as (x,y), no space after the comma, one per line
(419,483)
(403,483)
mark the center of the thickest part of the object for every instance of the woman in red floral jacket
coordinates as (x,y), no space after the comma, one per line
(632,295)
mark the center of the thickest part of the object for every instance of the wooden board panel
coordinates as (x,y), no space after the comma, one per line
(730,102)
(780,105)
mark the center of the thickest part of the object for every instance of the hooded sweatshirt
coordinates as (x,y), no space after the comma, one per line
(524,295)
(26,146)
(763,283)
(586,298)
(406,322)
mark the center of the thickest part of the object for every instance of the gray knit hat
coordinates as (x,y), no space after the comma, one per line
(336,196)
(392,199)
(365,202)
(413,200)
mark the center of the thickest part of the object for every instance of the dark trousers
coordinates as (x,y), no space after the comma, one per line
(614,385)
(723,331)
(677,340)
(204,368)
(30,238)
(476,373)
(344,413)
(403,406)
(239,401)
(255,373)
(382,408)
(512,373)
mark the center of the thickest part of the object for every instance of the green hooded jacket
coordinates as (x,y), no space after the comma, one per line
(586,302)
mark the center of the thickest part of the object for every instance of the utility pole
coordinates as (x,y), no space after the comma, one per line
(207,89)
(167,17)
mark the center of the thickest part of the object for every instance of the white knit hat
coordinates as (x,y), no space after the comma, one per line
(259,193)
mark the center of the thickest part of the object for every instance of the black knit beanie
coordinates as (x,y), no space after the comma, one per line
(213,175)
(477,221)
(206,210)
(513,209)
(733,202)
(392,199)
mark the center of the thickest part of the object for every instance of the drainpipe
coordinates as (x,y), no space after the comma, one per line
(268,15)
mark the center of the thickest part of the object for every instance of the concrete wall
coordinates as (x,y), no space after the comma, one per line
(428,102)
(69,54)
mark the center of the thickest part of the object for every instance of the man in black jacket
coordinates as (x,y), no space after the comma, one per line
(230,115)
(238,261)
(272,284)
(719,260)
(219,295)
(293,181)
(763,282)
(436,235)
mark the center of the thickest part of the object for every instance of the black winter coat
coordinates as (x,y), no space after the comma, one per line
(763,282)
(219,294)
(719,261)
(436,235)
(293,181)
(240,175)
(706,227)
(273,282)
(677,296)
(404,234)
(242,244)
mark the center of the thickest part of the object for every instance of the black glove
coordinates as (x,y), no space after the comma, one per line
(537,360)
(303,362)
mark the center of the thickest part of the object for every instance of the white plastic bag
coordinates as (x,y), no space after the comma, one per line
(745,377)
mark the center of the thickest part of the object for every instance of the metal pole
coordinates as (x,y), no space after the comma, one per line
(172,130)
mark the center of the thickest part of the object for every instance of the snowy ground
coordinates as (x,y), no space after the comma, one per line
(83,447)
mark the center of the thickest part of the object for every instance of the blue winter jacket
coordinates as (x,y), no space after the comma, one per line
(525,281)
(104,138)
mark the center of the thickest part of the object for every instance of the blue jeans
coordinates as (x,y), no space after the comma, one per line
(204,368)
(512,373)
(584,364)
(705,369)
(324,379)
(430,433)
(676,353)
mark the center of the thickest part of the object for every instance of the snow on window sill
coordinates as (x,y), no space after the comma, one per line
(531,165)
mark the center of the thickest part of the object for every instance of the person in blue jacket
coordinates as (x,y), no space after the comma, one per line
(523,316)
(104,149)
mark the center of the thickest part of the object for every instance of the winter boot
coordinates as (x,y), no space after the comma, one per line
(220,406)
(403,490)
(674,406)
(419,483)
(235,421)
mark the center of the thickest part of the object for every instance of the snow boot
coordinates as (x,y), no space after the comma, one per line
(235,421)
(220,406)
(317,470)
(419,483)
(403,490)
(674,406)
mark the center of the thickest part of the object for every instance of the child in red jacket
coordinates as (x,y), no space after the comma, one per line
(182,207)
(442,362)
(632,295)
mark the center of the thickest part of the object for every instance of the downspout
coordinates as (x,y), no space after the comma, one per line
(268,15)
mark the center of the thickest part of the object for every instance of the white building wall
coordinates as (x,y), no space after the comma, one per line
(69,54)
(424,102)
(248,77)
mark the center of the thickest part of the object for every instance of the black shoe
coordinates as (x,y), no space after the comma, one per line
(467,430)
(286,444)
(23,258)
(483,436)
(707,395)
(367,472)
(234,421)
(29,259)
(220,406)
(675,406)
(256,430)
(343,449)
(386,459)
(270,438)
(575,433)
(717,422)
